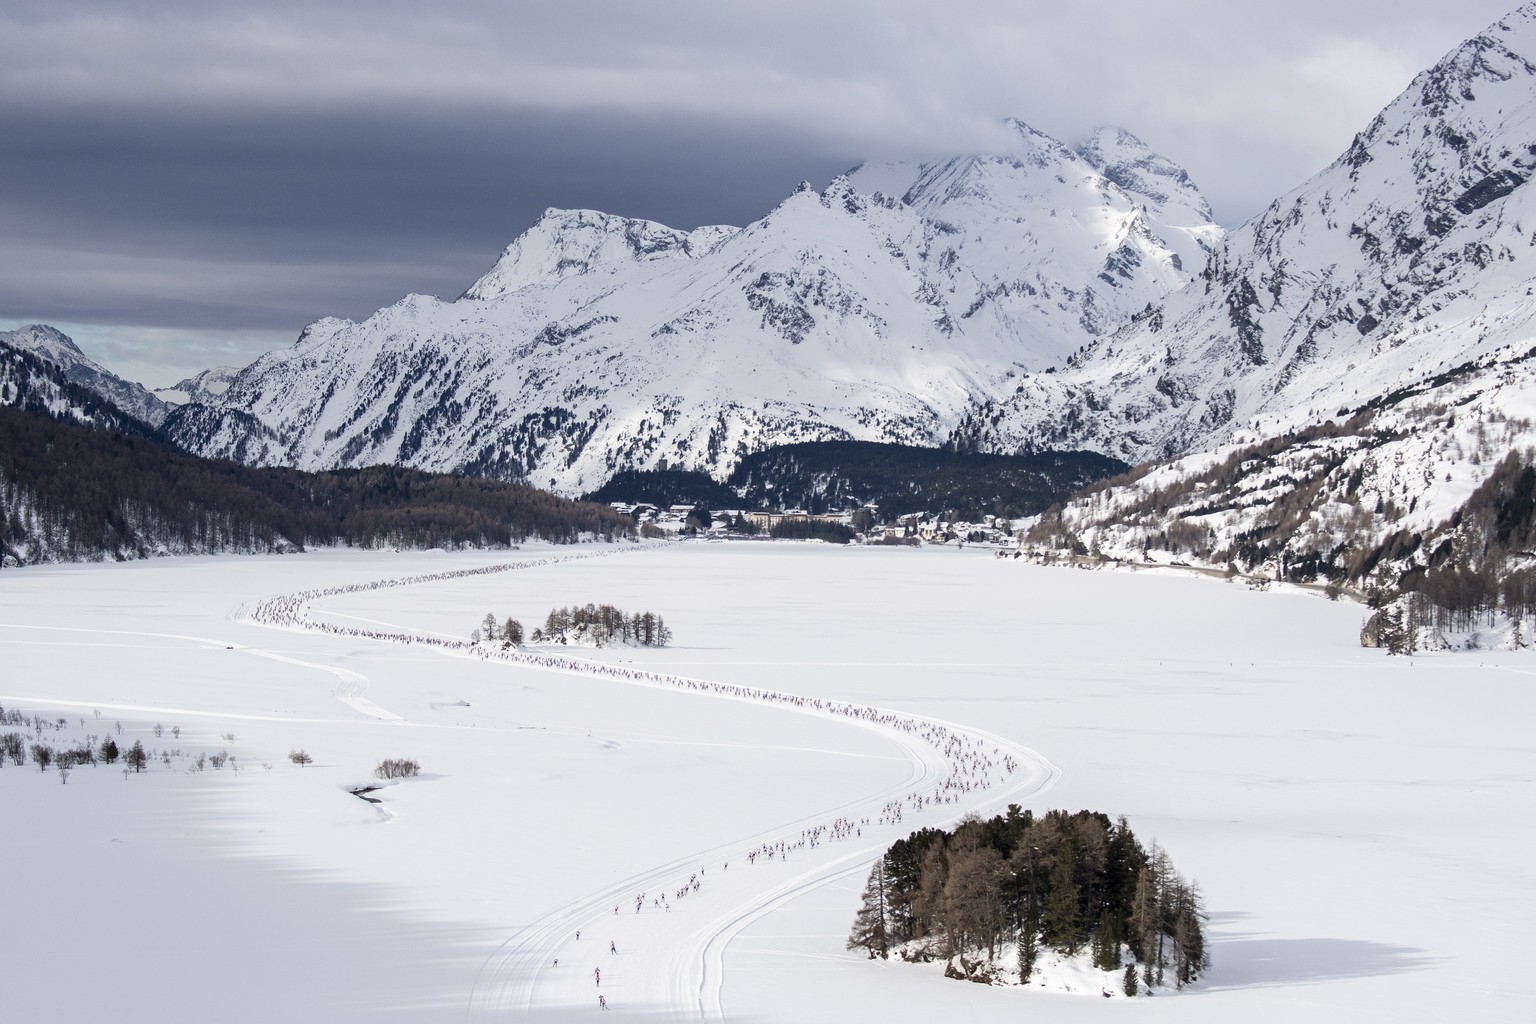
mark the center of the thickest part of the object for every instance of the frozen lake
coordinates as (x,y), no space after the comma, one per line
(1358,822)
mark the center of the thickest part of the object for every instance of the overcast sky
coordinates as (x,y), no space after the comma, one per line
(184,184)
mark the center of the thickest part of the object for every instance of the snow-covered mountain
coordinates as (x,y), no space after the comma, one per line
(1355,374)
(37,385)
(1410,254)
(53,345)
(881,308)
(200,387)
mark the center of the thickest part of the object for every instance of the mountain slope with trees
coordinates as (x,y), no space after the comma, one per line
(53,346)
(72,493)
(821,476)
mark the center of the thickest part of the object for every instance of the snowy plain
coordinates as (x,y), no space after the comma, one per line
(1359,823)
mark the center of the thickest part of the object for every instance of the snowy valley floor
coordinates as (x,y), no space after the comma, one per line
(1360,824)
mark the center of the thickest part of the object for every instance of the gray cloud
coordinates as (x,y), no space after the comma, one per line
(180,170)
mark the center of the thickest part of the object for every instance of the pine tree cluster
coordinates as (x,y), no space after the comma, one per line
(1064,881)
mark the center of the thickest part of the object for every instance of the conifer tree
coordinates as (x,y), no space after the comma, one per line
(870,930)
(1062,917)
(1145,919)
(972,902)
(136,757)
(1188,911)
(1106,944)
(1028,948)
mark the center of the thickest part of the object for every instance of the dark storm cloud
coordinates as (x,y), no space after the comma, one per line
(426,197)
(203,179)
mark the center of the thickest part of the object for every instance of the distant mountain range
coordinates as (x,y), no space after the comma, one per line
(881,308)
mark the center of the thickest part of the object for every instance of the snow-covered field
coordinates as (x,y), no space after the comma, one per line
(1360,824)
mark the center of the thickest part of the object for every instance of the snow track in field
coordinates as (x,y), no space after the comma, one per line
(349,691)
(669,926)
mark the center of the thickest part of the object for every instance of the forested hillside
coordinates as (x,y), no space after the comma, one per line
(1420,503)
(821,476)
(34,384)
(902,479)
(71,493)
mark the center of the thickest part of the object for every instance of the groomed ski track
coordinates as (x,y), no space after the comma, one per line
(670,926)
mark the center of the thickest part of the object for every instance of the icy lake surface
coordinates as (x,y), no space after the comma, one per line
(1361,825)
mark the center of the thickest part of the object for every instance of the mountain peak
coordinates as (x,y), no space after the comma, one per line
(46,341)
(1147,175)
(565,243)
(58,348)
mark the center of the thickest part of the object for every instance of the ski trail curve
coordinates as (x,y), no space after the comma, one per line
(670,925)
(352,685)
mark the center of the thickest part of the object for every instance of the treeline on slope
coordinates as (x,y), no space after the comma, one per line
(32,384)
(1177,508)
(72,493)
(1065,881)
(821,476)
(1479,564)
(665,488)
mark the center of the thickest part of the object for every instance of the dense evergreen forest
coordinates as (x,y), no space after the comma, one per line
(71,493)
(811,529)
(666,487)
(1069,882)
(825,476)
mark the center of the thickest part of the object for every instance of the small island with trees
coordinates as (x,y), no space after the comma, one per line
(993,897)
(589,625)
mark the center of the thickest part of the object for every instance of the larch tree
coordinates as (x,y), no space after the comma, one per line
(972,901)
(1190,957)
(1146,917)
(870,925)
